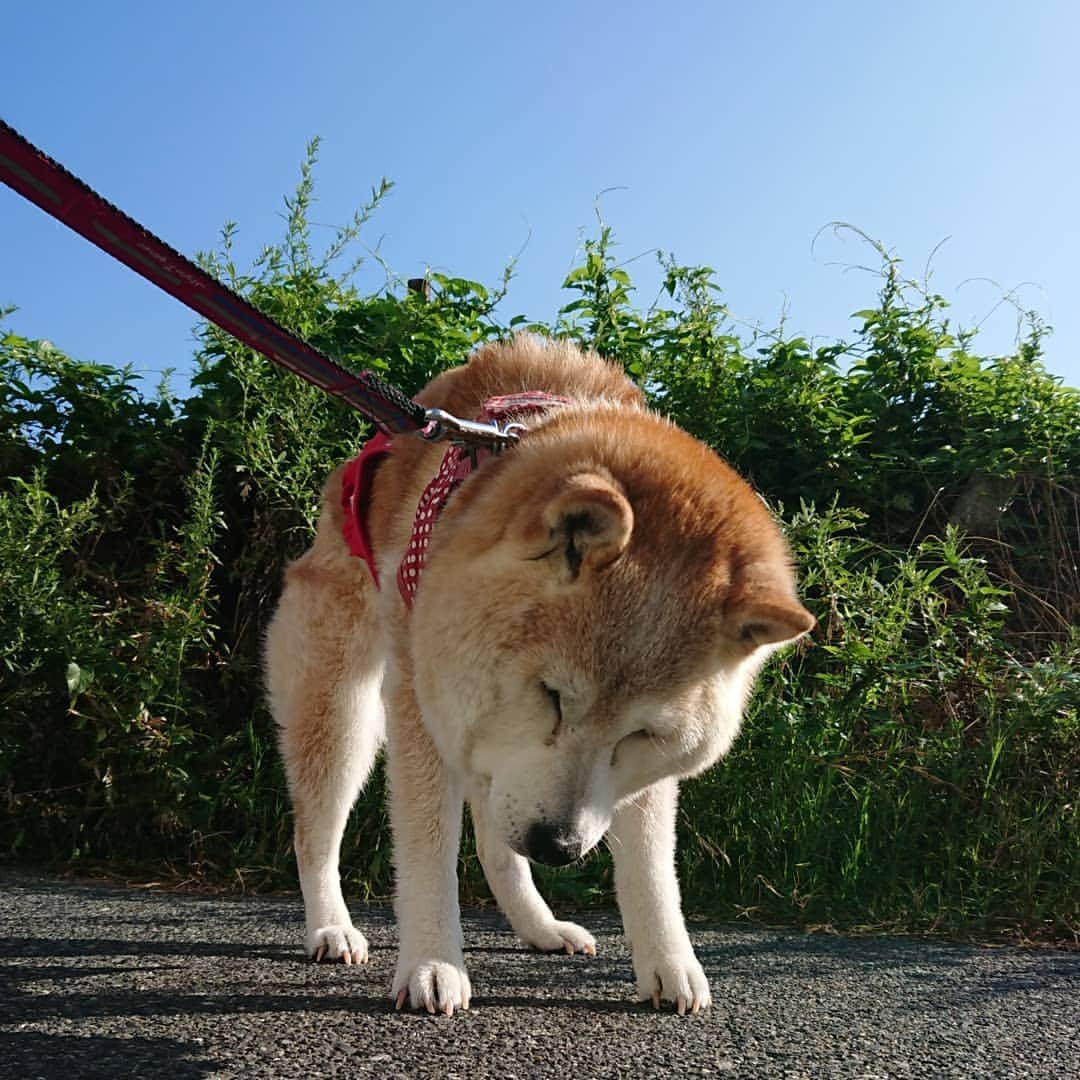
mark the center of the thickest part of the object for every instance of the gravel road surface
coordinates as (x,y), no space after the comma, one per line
(109,982)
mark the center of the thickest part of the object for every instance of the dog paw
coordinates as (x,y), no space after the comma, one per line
(435,985)
(564,937)
(676,977)
(342,943)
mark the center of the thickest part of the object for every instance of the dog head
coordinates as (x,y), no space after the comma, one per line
(594,610)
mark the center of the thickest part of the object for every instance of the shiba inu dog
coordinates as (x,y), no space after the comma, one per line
(556,633)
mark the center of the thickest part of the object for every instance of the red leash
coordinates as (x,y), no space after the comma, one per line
(35,175)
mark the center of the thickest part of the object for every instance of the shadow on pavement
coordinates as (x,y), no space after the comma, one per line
(29,1054)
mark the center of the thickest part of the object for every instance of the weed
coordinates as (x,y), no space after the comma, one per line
(915,765)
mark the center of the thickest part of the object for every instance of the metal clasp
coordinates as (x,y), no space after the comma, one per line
(443,425)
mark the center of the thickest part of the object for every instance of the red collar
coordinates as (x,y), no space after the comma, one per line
(457,463)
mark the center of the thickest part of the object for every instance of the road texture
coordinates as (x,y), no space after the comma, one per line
(109,982)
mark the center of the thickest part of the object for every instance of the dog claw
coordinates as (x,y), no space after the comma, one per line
(320,954)
(359,957)
(676,980)
(438,987)
(568,949)
(347,957)
(589,950)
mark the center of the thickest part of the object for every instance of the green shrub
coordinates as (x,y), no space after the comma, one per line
(914,765)
(905,769)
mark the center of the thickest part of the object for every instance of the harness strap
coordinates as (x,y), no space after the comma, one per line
(356,484)
(457,463)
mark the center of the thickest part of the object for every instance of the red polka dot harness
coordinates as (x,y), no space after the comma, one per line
(457,463)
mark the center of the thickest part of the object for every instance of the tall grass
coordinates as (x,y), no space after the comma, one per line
(914,765)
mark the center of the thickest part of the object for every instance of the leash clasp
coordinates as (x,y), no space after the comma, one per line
(443,425)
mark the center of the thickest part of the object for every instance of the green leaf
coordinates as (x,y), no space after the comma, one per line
(78,679)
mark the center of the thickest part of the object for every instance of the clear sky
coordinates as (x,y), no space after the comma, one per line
(733,131)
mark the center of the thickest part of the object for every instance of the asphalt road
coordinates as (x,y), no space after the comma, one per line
(107,982)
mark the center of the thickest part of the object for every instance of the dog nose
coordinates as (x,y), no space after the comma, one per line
(554,845)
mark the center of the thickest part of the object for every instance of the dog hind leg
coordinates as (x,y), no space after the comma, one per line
(324,673)
(511,882)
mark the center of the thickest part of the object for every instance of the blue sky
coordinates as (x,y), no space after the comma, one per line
(732,133)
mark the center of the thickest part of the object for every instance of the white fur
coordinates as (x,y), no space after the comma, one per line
(461,686)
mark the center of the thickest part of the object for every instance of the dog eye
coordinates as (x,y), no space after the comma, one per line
(553,696)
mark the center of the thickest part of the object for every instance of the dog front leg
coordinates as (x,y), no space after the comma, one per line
(642,837)
(511,882)
(425,815)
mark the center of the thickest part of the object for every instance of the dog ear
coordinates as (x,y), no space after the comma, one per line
(768,620)
(588,520)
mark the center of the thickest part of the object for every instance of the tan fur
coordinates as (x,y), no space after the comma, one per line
(596,604)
